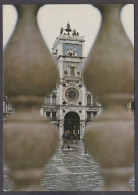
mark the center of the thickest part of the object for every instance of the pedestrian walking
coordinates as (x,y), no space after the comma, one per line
(65,138)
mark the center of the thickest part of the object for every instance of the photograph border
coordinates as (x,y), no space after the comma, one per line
(136,93)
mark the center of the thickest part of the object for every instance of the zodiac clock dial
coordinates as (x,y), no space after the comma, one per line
(72,49)
(72,94)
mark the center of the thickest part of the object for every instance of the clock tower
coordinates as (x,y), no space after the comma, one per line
(74,105)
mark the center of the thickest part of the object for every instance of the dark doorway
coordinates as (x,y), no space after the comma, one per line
(72,124)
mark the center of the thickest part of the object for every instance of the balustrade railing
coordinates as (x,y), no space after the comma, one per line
(108,73)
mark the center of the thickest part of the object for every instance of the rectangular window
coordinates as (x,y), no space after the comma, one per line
(47,114)
(53,114)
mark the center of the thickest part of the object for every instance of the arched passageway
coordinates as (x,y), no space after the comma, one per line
(72,124)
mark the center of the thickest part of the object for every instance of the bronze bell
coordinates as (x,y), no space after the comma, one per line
(68,29)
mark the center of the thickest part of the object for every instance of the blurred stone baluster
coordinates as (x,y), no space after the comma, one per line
(29,74)
(109,73)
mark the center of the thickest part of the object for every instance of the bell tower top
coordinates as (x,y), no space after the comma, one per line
(68,29)
(68,43)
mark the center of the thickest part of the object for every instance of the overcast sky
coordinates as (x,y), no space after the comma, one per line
(52,17)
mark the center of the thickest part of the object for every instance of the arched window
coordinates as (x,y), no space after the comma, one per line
(88,100)
(47,99)
(54,99)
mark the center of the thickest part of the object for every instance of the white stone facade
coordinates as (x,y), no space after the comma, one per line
(70,106)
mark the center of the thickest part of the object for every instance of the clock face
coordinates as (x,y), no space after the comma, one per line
(72,94)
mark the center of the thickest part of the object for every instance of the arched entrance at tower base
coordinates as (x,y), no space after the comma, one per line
(72,124)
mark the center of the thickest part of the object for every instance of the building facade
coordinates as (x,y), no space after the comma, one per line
(7,108)
(70,106)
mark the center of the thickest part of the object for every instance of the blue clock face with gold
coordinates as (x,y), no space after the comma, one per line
(72,49)
(72,94)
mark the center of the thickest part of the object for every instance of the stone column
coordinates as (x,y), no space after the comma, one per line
(29,74)
(61,128)
(82,129)
(109,73)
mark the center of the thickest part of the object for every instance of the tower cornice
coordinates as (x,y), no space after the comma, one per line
(68,38)
(75,57)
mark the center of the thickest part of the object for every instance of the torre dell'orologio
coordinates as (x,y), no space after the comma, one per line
(70,106)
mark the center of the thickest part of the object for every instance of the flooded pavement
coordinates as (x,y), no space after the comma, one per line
(69,170)
(72,170)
